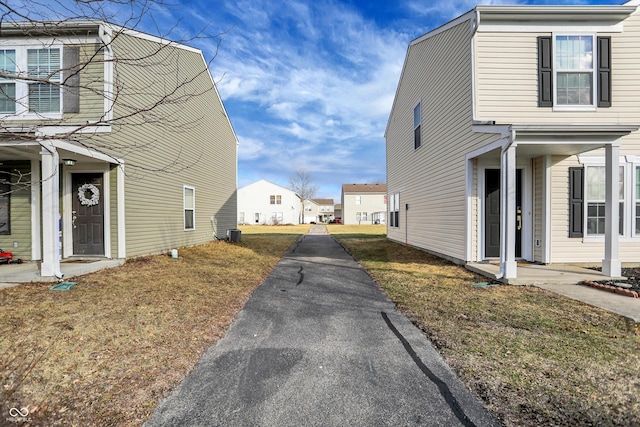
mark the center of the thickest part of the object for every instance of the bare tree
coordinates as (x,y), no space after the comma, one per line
(301,182)
(127,96)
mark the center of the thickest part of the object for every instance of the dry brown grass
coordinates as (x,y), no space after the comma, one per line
(105,352)
(534,357)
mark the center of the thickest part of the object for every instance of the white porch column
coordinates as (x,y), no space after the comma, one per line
(50,212)
(508,212)
(122,240)
(611,265)
(36,210)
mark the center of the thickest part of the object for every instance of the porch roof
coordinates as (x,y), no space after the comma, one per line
(31,150)
(533,140)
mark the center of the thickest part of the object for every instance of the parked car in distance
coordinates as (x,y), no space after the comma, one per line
(336,221)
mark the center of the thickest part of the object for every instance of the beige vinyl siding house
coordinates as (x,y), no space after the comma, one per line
(325,209)
(143,180)
(505,144)
(311,211)
(364,203)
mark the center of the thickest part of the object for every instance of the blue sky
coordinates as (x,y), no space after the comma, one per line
(309,83)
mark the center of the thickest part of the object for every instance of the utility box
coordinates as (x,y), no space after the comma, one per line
(234,235)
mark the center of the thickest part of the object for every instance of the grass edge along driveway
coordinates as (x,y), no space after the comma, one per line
(534,357)
(107,351)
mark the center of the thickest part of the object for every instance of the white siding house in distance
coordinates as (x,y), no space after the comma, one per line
(266,203)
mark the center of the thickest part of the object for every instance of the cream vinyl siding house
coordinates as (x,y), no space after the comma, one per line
(266,203)
(528,133)
(325,209)
(311,211)
(101,186)
(364,203)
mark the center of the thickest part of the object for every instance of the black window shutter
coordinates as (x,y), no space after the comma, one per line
(604,71)
(71,79)
(545,72)
(576,202)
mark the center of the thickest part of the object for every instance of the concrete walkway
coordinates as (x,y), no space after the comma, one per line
(14,274)
(564,280)
(319,344)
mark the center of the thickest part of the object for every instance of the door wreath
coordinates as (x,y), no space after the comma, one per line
(82,195)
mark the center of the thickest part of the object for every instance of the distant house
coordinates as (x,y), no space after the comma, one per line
(264,202)
(311,211)
(88,167)
(337,211)
(325,209)
(514,136)
(364,203)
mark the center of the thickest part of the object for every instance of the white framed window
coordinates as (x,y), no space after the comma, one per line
(574,70)
(20,95)
(358,200)
(241,218)
(7,84)
(189,201)
(417,125)
(275,199)
(595,200)
(394,210)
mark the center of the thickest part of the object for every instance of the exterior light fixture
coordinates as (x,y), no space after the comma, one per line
(69,162)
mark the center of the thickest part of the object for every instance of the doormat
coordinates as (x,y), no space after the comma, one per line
(64,286)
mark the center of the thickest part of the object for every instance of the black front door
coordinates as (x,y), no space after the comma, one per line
(87,214)
(492,213)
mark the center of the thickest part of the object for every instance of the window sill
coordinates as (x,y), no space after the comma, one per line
(30,116)
(570,108)
(600,239)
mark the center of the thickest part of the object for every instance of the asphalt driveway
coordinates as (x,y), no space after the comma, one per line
(319,344)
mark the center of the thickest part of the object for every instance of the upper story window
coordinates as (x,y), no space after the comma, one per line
(275,199)
(574,71)
(417,122)
(358,200)
(30,81)
(7,85)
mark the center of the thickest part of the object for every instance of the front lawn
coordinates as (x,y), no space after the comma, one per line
(534,357)
(105,352)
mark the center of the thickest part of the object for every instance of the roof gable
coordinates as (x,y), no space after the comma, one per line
(364,188)
(323,201)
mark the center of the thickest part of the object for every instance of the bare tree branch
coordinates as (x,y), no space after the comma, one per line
(156,100)
(301,182)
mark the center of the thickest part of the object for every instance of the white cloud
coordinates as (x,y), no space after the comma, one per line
(250,148)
